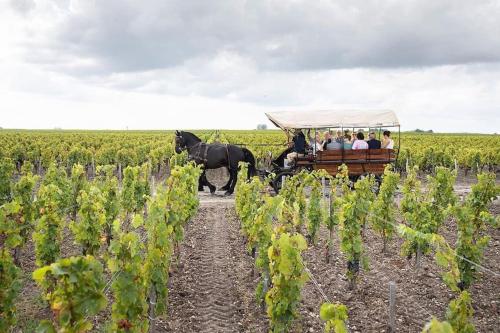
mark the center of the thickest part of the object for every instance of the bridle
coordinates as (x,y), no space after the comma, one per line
(180,143)
(201,153)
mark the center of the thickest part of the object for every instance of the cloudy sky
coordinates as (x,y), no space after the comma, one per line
(162,64)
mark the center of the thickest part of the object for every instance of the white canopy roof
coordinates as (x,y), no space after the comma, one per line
(333,119)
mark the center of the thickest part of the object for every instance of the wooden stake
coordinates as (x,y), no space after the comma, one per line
(323,183)
(392,306)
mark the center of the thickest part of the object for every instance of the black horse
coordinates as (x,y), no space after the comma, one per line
(213,156)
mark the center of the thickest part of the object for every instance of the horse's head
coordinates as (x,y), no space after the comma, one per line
(185,140)
(180,142)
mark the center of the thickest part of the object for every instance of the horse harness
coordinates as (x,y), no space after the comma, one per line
(202,153)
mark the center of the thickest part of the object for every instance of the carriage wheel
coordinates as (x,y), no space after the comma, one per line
(277,181)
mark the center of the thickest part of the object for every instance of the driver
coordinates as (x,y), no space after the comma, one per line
(298,148)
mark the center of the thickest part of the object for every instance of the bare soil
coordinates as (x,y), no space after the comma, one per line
(213,290)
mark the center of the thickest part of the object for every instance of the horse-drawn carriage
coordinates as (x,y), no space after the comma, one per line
(359,162)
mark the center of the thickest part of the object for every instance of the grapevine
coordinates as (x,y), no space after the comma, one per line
(482,194)
(335,316)
(436,326)
(58,177)
(287,277)
(384,207)
(441,196)
(48,230)
(108,185)
(355,209)
(9,274)
(261,236)
(129,311)
(159,250)
(23,195)
(332,219)
(6,173)
(417,213)
(128,193)
(315,214)
(74,289)
(9,287)
(78,183)
(460,313)
(471,217)
(91,219)
(445,256)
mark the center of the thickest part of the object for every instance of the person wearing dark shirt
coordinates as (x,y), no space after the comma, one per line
(299,146)
(373,143)
(299,143)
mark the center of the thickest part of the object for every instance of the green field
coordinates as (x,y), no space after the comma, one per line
(42,147)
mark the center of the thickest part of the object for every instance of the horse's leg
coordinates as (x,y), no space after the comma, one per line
(228,184)
(234,176)
(210,186)
(203,181)
(200,182)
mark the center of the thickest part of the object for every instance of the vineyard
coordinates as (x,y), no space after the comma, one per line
(468,152)
(105,232)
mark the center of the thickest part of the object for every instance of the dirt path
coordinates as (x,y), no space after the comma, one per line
(212,291)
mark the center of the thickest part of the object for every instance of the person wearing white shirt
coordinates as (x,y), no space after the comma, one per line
(387,143)
(360,142)
(315,142)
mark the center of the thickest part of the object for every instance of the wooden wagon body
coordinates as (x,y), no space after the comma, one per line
(358,162)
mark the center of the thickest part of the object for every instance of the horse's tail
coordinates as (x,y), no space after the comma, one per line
(252,171)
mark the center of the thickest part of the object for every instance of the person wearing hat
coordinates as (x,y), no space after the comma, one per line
(373,143)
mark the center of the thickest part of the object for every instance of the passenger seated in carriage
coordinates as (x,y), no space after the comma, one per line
(337,142)
(347,141)
(298,147)
(315,143)
(360,142)
(373,143)
(387,143)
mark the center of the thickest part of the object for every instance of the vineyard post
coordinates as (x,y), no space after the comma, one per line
(152,305)
(120,172)
(456,165)
(265,287)
(392,306)
(255,254)
(418,257)
(329,205)
(153,188)
(323,184)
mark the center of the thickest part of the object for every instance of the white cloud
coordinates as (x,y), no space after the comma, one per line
(155,64)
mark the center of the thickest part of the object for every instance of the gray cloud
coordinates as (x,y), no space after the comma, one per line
(22,6)
(104,37)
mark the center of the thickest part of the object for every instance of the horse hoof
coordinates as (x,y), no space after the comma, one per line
(228,193)
(212,190)
(224,188)
(201,189)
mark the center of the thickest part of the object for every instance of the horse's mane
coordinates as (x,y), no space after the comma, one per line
(191,135)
